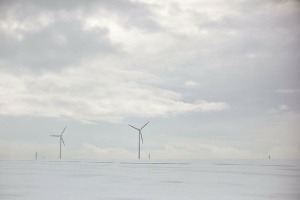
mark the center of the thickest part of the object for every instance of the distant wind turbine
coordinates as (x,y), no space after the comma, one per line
(61,140)
(140,137)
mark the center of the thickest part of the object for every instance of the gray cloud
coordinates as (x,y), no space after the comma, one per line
(49,36)
(60,45)
(177,62)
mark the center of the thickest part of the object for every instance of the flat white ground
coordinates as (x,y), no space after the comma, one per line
(124,180)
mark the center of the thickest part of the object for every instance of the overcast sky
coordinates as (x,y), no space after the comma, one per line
(216,79)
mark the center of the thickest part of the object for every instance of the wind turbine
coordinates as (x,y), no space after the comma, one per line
(140,137)
(61,140)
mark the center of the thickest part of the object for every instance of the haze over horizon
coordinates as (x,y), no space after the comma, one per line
(216,79)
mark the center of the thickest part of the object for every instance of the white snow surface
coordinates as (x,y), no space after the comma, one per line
(151,179)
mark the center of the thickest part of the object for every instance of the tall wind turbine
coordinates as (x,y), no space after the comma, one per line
(140,137)
(61,140)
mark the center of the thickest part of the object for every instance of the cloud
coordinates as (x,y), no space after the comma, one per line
(26,151)
(281,108)
(174,149)
(275,135)
(105,94)
(112,61)
(58,45)
(191,84)
(46,36)
(89,151)
(287,91)
(182,148)
(13,150)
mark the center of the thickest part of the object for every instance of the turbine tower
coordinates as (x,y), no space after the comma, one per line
(140,137)
(61,140)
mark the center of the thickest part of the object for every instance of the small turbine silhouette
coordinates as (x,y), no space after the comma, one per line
(61,140)
(140,137)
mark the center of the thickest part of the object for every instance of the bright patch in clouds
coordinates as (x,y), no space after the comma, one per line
(89,96)
(223,74)
(191,84)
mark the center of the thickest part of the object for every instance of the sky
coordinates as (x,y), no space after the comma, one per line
(215,79)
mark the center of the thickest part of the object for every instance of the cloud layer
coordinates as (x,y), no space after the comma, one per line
(223,71)
(108,94)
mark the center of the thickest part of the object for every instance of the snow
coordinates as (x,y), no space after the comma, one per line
(144,180)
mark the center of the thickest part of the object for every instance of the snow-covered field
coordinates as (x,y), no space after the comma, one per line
(124,180)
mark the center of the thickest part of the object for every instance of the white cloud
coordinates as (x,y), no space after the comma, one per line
(93,95)
(191,84)
(183,148)
(177,148)
(13,150)
(276,136)
(15,28)
(89,151)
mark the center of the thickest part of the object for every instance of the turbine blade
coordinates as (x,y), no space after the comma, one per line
(133,127)
(62,140)
(63,130)
(142,138)
(144,125)
(55,135)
